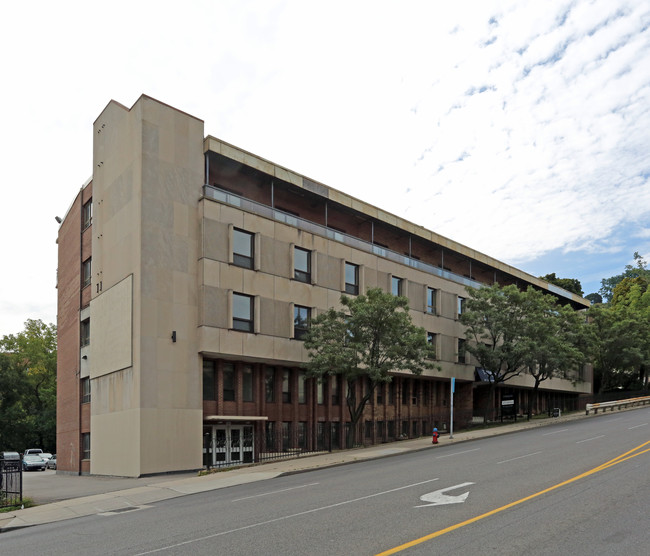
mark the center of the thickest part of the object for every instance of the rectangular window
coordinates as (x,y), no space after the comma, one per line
(320,390)
(380,393)
(209,383)
(336,390)
(286,436)
(270,384)
(396,285)
(462,349)
(391,393)
(431,301)
(461,305)
(286,386)
(86,272)
(351,279)
(87,214)
(247,383)
(302,392)
(405,392)
(301,316)
(85,390)
(243,249)
(85,445)
(302,265)
(84,333)
(242,312)
(228,382)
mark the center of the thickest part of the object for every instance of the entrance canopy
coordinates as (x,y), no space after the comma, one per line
(241,418)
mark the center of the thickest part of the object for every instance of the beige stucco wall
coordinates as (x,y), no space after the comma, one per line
(148,177)
(271,282)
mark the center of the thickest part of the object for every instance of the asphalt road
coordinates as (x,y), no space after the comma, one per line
(579,487)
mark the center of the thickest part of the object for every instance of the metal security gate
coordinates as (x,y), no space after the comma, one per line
(11,480)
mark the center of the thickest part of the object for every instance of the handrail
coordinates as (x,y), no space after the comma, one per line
(616,403)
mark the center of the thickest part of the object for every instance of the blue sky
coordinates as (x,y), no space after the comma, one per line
(518,128)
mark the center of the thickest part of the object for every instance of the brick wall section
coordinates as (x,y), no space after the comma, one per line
(73,246)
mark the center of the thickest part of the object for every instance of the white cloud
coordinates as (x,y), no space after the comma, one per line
(517,128)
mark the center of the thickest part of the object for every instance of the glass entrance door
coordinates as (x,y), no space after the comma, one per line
(227,445)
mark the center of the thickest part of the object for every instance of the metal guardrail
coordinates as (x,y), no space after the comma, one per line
(630,402)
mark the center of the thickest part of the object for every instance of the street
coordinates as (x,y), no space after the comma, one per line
(579,487)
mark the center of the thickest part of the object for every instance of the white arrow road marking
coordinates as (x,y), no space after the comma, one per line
(439,498)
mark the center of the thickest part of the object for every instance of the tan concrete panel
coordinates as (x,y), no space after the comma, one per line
(232,277)
(211,275)
(258,283)
(329,271)
(176,440)
(115,444)
(275,257)
(275,318)
(111,329)
(215,240)
(289,351)
(215,307)
(209,340)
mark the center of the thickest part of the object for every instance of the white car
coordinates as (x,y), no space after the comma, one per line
(51,463)
(46,456)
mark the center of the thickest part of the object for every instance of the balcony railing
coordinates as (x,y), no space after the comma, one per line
(211,192)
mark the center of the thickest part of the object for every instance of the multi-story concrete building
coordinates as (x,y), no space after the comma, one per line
(187,271)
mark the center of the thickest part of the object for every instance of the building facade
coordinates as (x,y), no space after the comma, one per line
(188,271)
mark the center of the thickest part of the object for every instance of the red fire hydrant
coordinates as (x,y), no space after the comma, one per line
(434,440)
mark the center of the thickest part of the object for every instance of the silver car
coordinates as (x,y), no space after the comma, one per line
(51,463)
(33,462)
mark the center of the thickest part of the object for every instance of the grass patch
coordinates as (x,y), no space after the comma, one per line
(27,503)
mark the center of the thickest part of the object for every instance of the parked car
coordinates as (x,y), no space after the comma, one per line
(33,462)
(51,463)
(46,456)
(33,451)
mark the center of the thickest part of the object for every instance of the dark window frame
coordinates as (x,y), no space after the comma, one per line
(431,300)
(229,382)
(86,272)
(351,272)
(85,390)
(396,285)
(84,333)
(302,273)
(245,258)
(301,318)
(241,322)
(209,381)
(86,214)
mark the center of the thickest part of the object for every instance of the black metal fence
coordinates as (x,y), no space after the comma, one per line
(277,441)
(11,483)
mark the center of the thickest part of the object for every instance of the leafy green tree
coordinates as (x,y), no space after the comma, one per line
(13,420)
(609,284)
(569,284)
(495,318)
(594,298)
(30,356)
(370,336)
(621,352)
(556,338)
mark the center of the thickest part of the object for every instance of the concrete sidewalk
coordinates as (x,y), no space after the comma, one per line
(90,495)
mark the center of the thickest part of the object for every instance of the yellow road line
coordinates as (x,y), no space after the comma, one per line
(619,459)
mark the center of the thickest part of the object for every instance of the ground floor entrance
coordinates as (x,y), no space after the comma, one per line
(227,444)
